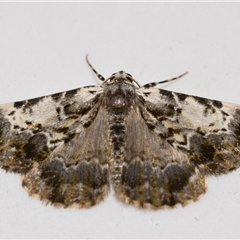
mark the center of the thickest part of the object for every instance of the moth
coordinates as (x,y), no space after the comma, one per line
(155,147)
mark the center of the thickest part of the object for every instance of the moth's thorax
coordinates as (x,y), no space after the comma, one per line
(119,95)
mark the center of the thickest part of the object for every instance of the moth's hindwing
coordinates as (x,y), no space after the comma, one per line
(154,172)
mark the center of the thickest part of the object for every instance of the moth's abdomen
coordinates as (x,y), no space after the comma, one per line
(117,145)
(119,98)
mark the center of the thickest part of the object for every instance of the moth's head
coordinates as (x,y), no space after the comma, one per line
(121,76)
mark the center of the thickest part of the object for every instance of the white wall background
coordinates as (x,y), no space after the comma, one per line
(42,51)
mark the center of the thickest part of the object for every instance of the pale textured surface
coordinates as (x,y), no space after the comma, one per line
(43,51)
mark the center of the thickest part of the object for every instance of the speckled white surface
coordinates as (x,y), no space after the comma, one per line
(42,51)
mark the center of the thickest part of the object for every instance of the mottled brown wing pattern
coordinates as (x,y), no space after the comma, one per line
(48,140)
(207,131)
(31,129)
(155,173)
(75,173)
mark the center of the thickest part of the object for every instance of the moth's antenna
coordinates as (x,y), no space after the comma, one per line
(153,84)
(94,70)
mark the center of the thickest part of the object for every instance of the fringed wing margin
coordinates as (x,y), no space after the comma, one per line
(57,144)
